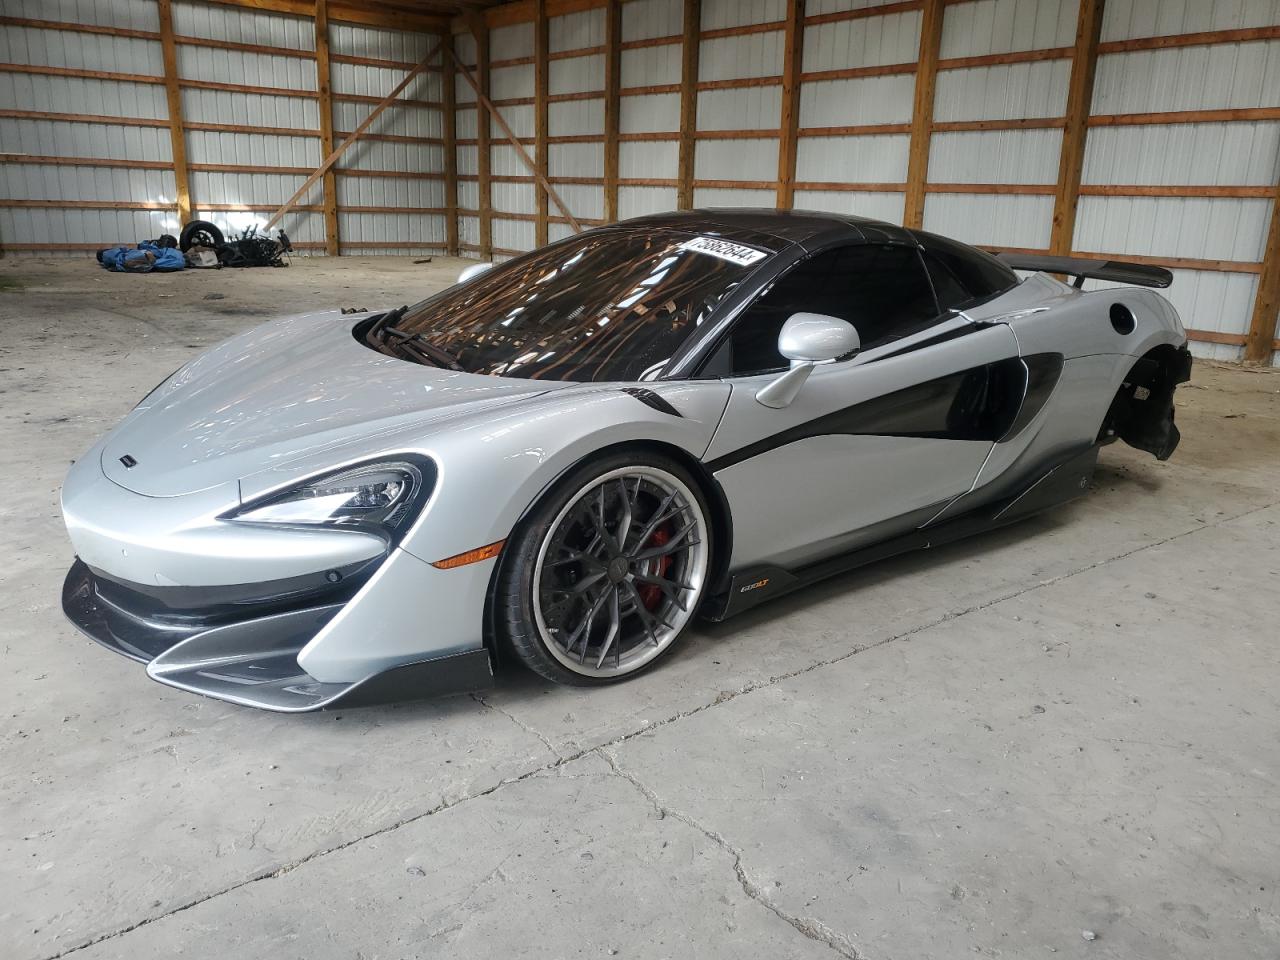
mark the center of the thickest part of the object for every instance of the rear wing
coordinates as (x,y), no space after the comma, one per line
(1117,271)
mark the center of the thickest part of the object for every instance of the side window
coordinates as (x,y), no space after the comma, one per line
(882,290)
(963,275)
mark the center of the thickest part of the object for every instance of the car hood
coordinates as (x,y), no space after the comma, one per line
(283,391)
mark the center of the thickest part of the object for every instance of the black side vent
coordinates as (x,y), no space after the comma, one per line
(651,399)
(128,461)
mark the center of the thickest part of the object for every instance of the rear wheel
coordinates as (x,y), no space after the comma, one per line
(608,570)
(200,233)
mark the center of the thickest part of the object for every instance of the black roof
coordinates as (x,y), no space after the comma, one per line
(789,226)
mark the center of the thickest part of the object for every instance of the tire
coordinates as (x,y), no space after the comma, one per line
(577,610)
(200,232)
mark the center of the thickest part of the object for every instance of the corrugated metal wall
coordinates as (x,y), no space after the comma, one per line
(1180,164)
(74,104)
(1182,151)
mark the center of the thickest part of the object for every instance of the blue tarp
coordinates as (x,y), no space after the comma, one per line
(143,258)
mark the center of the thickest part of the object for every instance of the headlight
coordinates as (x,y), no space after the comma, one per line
(385,495)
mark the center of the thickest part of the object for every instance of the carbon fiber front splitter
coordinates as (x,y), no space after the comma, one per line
(250,660)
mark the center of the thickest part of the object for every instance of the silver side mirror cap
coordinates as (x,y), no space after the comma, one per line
(816,338)
(807,339)
(474,271)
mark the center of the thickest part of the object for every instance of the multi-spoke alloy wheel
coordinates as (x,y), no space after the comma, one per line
(617,574)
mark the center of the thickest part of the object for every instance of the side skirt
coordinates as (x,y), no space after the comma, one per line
(752,586)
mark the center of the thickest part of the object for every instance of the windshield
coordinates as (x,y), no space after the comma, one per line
(607,305)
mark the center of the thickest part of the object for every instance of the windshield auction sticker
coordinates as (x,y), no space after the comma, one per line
(733,252)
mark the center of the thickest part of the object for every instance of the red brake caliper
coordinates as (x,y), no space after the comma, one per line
(651,594)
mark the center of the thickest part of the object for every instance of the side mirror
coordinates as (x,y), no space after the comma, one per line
(807,339)
(474,271)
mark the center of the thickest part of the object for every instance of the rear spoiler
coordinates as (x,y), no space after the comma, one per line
(1117,271)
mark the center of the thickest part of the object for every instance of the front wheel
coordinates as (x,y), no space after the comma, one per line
(607,571)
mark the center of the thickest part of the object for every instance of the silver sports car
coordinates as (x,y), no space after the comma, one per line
(565,458)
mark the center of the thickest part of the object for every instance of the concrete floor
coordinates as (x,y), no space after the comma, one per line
(1071,725)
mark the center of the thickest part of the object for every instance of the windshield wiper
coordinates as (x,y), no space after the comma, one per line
(420,343)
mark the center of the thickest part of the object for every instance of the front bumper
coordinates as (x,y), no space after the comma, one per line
(247,653)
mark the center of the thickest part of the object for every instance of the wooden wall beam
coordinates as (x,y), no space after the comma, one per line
(541,46)
(1262,328)
(612,105)
(922,112)
(324,86)
(173,96)
(1084,63)
(449,125)
(792,67)
(484,186)
(691,39)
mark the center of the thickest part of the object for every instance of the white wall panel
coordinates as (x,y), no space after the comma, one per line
(583,200)
(575,160)
(648,159)
(467,160)
(509,83)
(575,31)
(251,189)
(996,220)
(721,197)
(840,103)
(730,58)
(638,201)
(815,7)
(56,138)
(1128,19)
(81,51)
(468,195)
(878,206)
(378,155)
(408,121)
(718,14)
(1189,78)
(1004,26)
(519,118)
(658,113)
(128,14)
(1210,229)
(505,162)
(515,40)
(205,146)
(22,181)
(469,231)
(646,19)
(1003,92)
(465,126)
(575,117)
(201,105)
(390,227)
(647,66)
(513,197)
(513,234)
(241,25)
(107,98)
(389,192)
(253,69)
(879,159)
(576,75)
(379,81)
(748,108)
(871,42)
(995,156)
(36,225)
(378,42)
(1216,154)
(736,160)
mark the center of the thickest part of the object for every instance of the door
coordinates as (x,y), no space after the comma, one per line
(875,444)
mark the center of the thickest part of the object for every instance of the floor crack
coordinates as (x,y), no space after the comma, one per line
(810,927)
(519,723)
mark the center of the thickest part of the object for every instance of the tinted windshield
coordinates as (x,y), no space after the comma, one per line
(607,305)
